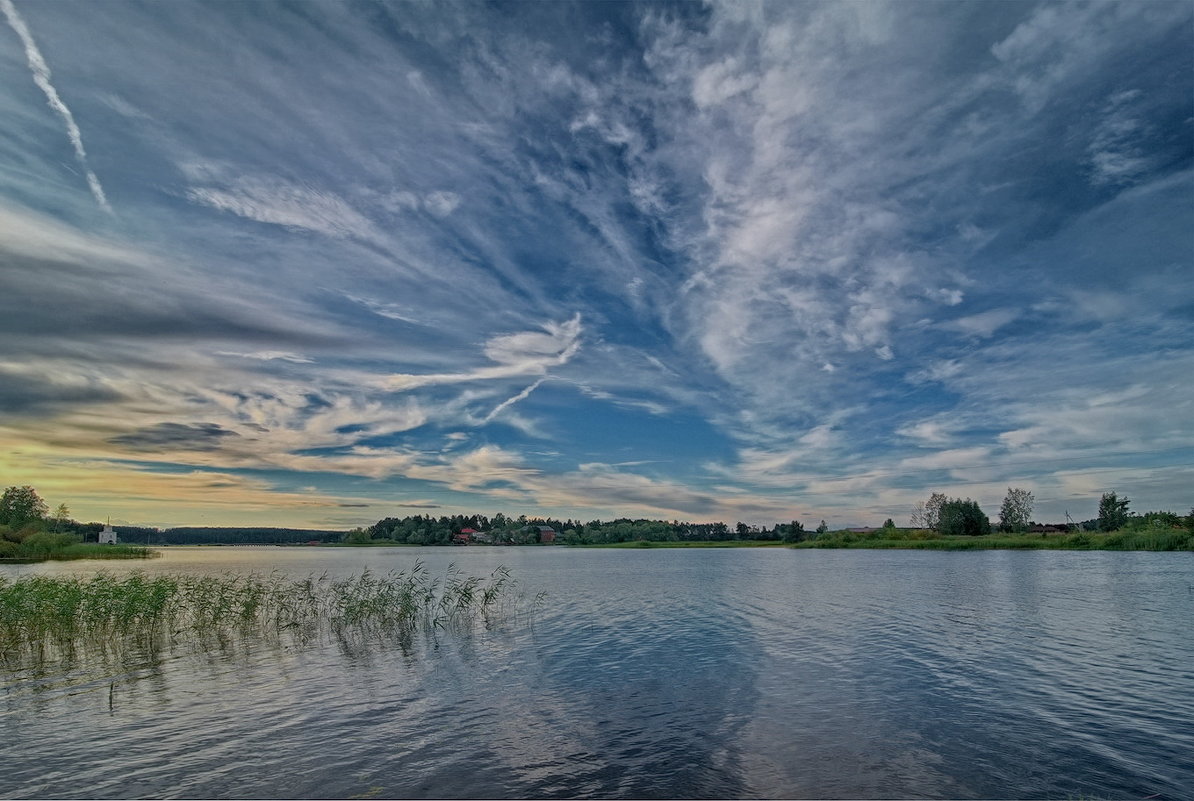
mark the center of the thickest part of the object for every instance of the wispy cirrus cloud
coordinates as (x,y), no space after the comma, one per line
(278,202)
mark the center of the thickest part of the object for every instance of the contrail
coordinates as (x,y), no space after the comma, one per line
(506,403)
(41,77)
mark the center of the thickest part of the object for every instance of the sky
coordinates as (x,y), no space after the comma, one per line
(315,264)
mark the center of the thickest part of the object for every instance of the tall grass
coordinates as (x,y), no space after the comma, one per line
(40,612)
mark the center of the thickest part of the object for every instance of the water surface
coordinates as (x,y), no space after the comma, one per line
(653,674)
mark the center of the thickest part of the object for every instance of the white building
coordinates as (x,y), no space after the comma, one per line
(107,536)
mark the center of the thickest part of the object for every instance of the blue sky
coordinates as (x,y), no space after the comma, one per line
(319,263)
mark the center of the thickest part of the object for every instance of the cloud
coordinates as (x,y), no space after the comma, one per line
(277,202)
(949,297)
(41,76)
(930,433)
(392,311)
(30,235)
(441,204)
(174,436)
(90,288)
(269,355)
(186,497)
(524,353)
(767,213)
(951,458)
(1117,148)
(27,391)
(984,324)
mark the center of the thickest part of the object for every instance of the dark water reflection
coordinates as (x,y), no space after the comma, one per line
(653,674)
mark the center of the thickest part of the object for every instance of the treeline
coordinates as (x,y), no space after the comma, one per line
(963,516)
(26,525)
(522,530)
(215,535)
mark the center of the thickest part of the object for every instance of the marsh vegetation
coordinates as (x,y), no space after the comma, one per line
(48,616)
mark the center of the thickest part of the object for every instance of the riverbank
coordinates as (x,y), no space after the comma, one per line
(918,539)
(1123,540)
(81,550)
(690,544)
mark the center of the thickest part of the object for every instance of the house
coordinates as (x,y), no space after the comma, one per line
(107,535)
(547,534)
(462,538)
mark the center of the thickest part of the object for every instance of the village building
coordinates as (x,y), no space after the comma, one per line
(107,535)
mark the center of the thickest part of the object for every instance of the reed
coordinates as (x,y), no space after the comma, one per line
(36,611)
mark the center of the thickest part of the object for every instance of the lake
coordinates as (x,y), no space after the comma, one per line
(753,673)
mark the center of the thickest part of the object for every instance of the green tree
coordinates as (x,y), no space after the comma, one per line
(1016,511)
(889,523)
(20,506)
(795,532)
(959,516)
(927,514)
(358,536)
(821,529)
(1113,512)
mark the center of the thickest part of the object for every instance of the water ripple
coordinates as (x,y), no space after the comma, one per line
(653,674)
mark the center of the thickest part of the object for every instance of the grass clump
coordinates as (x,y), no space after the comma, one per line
(39,612)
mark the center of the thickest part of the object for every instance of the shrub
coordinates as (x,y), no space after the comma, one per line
(1080,540)
(44,542)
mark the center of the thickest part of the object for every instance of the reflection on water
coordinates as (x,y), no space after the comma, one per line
(646,674)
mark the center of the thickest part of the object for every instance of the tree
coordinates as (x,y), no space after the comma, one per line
(927,514)
(1113,512)
(821,529)
(61,516)
(358,536)
(20,506)
(889,523)
(795,532)
(962,517)
(933,510)
(1016,511)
